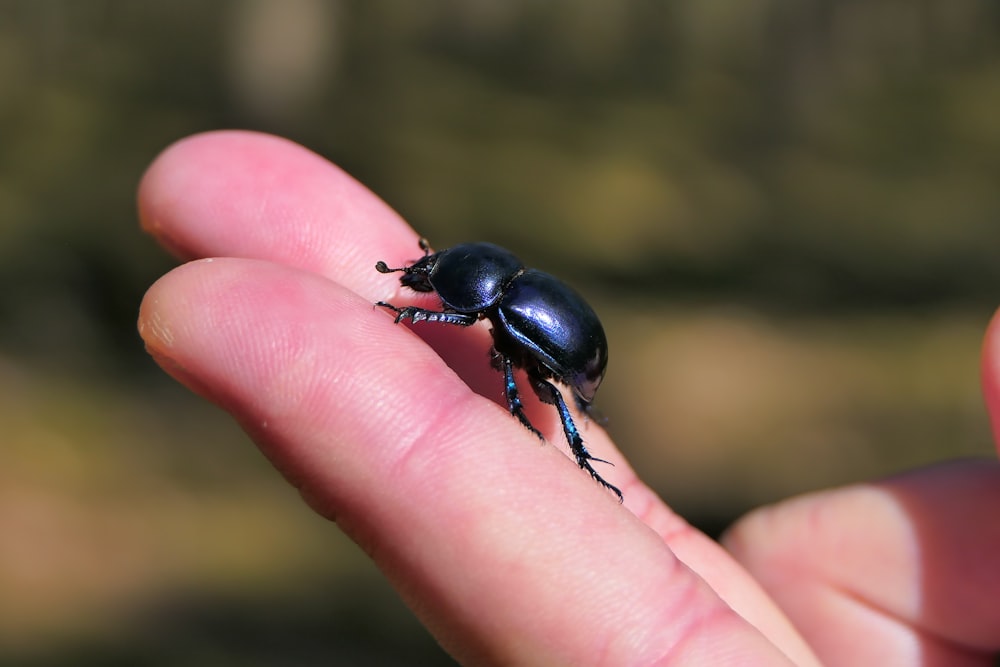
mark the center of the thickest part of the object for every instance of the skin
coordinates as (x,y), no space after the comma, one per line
(504,548)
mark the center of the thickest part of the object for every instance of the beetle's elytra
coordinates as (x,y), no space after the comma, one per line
(540,325)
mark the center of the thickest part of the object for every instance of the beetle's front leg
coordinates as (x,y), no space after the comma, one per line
(415,314)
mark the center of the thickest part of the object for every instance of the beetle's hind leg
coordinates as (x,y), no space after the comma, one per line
(548,393)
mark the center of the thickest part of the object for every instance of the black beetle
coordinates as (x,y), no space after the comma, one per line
(539,324)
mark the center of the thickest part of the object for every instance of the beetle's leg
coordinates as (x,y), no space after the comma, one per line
(504,364)
(551,395)
(415,314)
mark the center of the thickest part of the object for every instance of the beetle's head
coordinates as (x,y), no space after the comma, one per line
(417,280)
(416,276)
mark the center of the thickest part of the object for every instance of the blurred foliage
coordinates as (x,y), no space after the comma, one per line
(787,213)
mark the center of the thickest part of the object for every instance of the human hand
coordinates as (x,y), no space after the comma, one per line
(505,550)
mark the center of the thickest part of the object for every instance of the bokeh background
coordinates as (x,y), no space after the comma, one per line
(787,213)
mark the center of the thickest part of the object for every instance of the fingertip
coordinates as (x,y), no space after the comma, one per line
(246,194)
(158,316)
(278,344)
(172,182)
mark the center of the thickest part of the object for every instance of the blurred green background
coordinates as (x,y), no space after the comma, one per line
(787,213)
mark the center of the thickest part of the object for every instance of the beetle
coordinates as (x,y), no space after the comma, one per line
(539,325)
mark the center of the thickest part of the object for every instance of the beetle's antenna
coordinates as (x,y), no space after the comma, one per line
(382,267)
(425,245)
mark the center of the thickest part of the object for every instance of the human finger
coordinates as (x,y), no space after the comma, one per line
(897,572)
(507,561)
